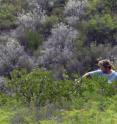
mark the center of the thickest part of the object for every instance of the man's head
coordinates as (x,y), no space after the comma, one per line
(105,65)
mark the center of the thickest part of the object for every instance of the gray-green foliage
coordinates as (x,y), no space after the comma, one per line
(58,50)
(50,21)
(74,11)
(12,55)
(7,17)
(94,20)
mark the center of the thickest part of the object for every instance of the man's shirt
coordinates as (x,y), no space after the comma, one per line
(112,77)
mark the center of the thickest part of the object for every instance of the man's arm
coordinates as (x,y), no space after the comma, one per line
(87,75)
(92,73)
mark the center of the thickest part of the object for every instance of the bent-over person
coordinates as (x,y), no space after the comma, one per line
(105,70)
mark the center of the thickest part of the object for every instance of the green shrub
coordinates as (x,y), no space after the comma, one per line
(34,40)
(50,21)
(99,6)
(7,16)
(39,87)
(84,99)
(100,22)
(95,87)
(100,29)
(58,12)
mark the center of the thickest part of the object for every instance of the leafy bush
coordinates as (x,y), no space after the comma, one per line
(82,99)
(12,55)
(7,16)
(50,21)
(101,30)
(101,22)
(97,86)
(58,11)
(98,99)
(38,87)
(34,40)
(102,7)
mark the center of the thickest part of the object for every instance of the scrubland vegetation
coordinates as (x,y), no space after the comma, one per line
(45,47)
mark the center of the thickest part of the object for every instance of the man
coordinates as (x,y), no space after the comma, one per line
(105,70)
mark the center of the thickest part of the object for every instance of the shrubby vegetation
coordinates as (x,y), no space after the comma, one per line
(44,44)
(58,50)
(12,55)
(35,21)
(38,86)
(6,14)
(65,101)
(74,11)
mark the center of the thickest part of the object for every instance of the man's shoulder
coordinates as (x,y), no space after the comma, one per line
(115,74)
(98,71)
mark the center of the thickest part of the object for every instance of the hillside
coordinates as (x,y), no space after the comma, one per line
(58,34)
(45,46)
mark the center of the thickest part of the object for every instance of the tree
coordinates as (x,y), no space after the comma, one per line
(12,55)
(32,16)
(74,10)
(58,50)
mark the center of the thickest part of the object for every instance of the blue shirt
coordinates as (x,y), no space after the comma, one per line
(112,77)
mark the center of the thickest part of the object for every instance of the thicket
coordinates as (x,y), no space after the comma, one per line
(63,37)
(40,27)
(36,97)
(40,87)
